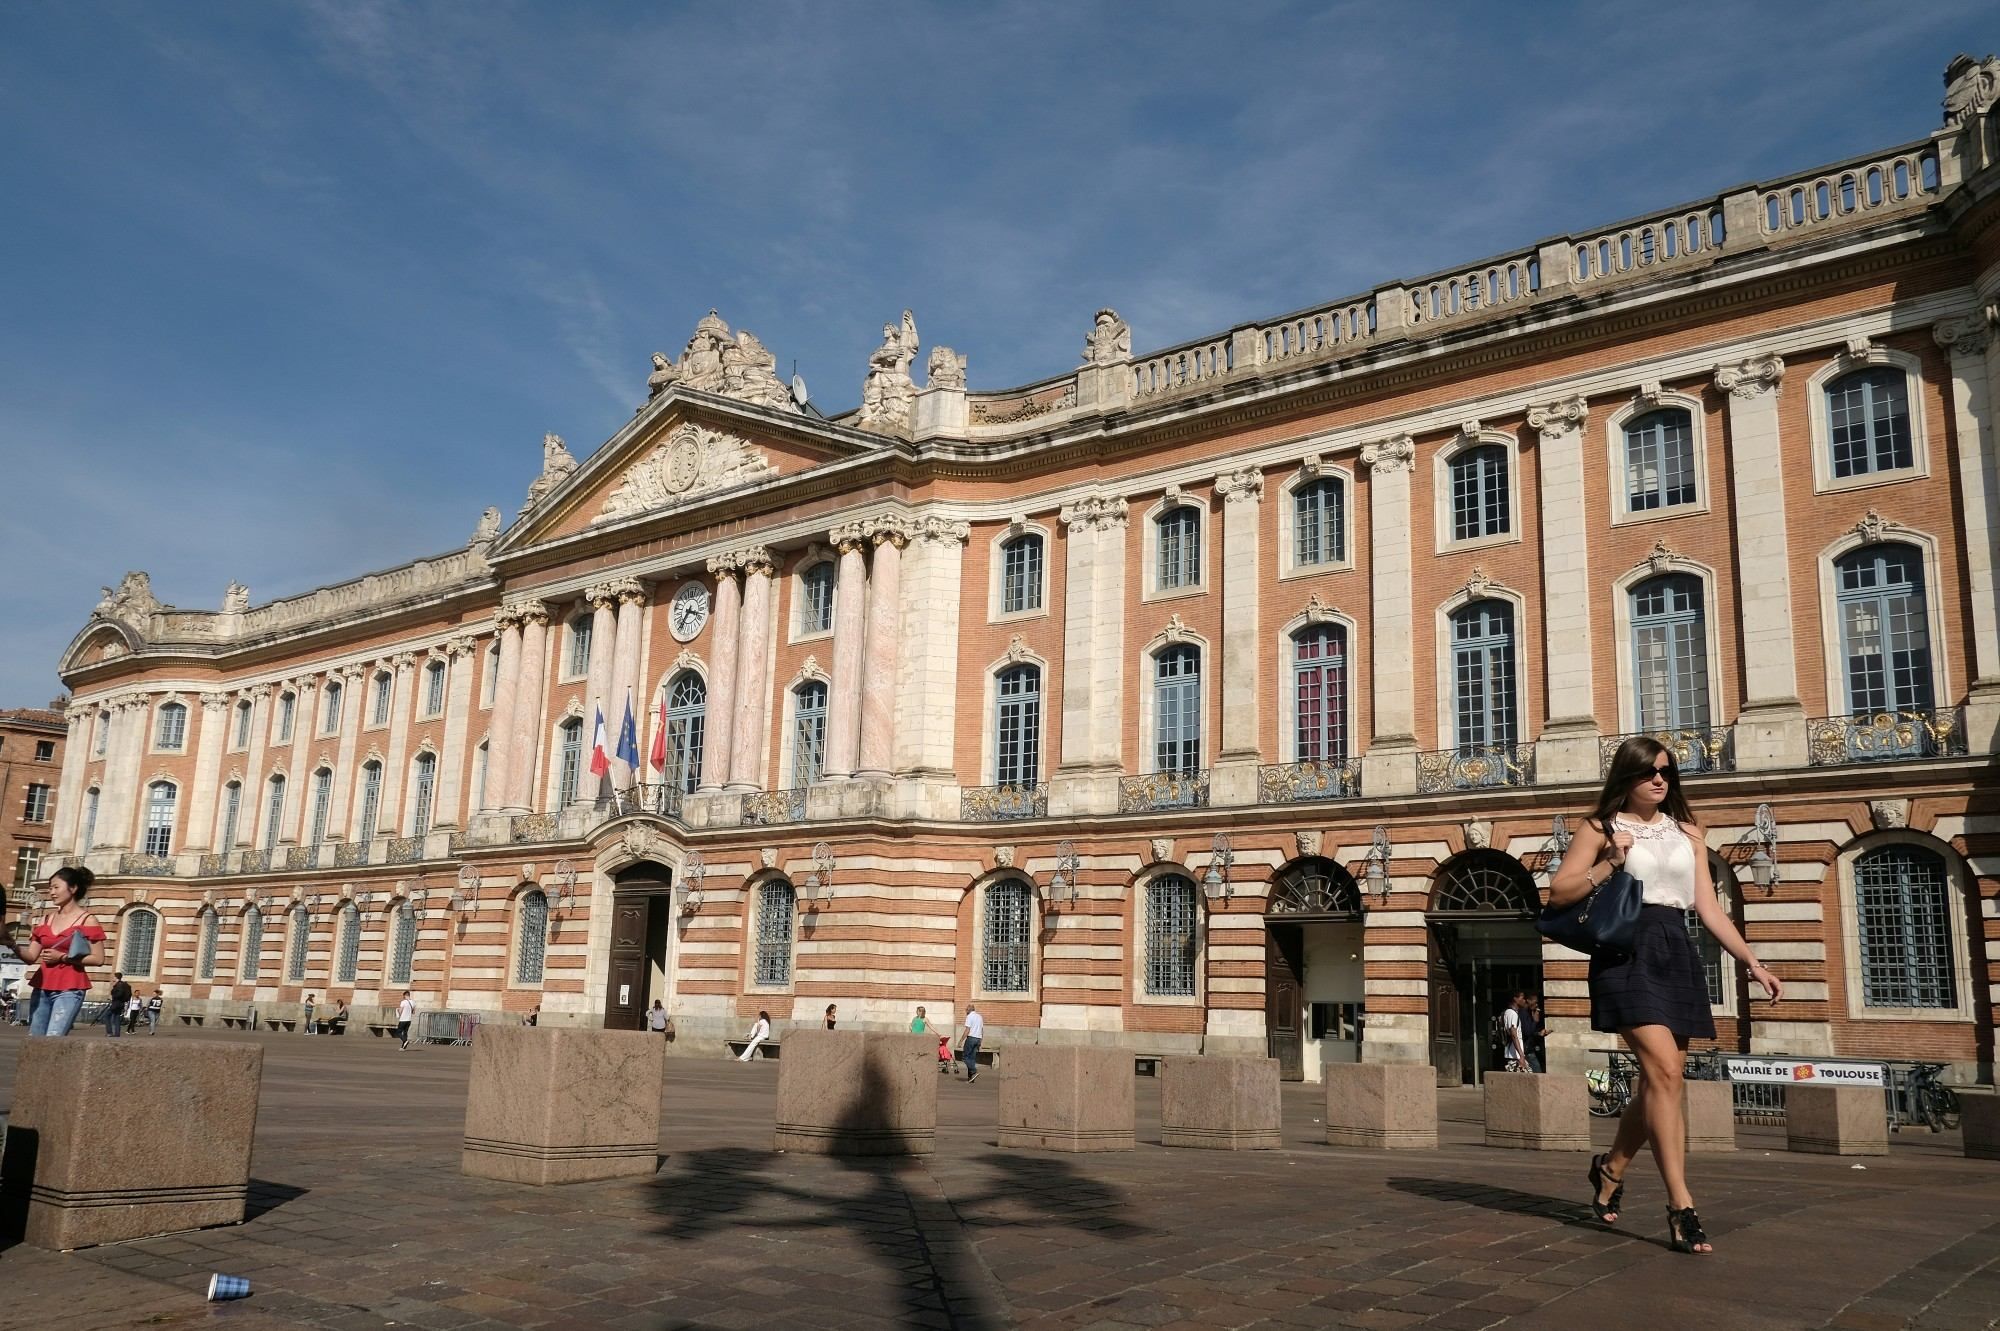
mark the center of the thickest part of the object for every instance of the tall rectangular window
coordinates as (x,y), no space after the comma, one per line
(330,713)
(102,739)
(371,801)
(160,818)
(211,933)
(434,675)
(171,734)
(1483,675)
(348,963)
(402,943)
(816,599)
(1659,460)
(275,814)
(1004,946)
(232,808)
(27,868)
(1670,653)
(385,686)
(322,798)
(1319,523)
(425,781)
(1868,413)
(1479,504)
(37,805)
(808,733)
(242,725)
(580,630)
(1905,926)
(1021,575)
(1018,732)
(775,905)
(1170,936)
(570,770)
(1177,710)
(288,707)
(1178,532)
(687,723)
(1319,694)
(91,799)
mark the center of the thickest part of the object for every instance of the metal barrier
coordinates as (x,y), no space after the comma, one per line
(1763,1103)
(450,1027)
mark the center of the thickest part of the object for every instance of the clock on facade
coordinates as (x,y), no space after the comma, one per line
(688,612)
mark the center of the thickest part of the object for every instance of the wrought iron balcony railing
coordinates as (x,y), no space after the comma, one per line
(1886,736)
(1163,790)
(350,854)
(662,799)
(1697,749)
(146,866)
(405,850)
(994,804)
(255,861)
(300,858)
(214,863)
(1475,767)
(1290,783)
(526,829)
(768,808)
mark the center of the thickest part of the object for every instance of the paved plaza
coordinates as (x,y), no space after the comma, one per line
(361,1219)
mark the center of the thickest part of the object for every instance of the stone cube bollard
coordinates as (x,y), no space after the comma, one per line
(1381,1104)
(1067,1098)
(554,1104)
(1836,1120)
(1979,1121)
(1224,1104)
(858,1093)
(1709,1109)
(1535,1112)
(111,1140)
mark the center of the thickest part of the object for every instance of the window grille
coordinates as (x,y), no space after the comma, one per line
(1319,694)
(211,934)
(687,724)
(1018,732)
(160,797)
(248,964)
(172,731)
(348,964)
(1659,460)
(1319,523)
(808,734)
(531,949)
(1868,414)
(775,904)
(295,958)
(403,945)
(1315,886)
(1489,882)
(142,929)
(425,783)
(1479,504)
(1483,674)
(1178,531)
(1711,956)
(1884,629)
(1905,917)
(1170,936)
(1021,575)
(371,800)
(1006,968)
(816,599)
(1670,653)
(1177,710)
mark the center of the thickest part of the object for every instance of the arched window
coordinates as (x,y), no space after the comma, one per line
(1021,574)
(687,723)
(1885,641)
(232,814)
(322,802)
(1319,523)
(423,782)
(1004,941)
(1705,944)
(142,932)
(816,599)
(434,677)
(242,725)
(1319,694)
(160,798)
(1868,416)
(1482,666)
(1903,910)
(569,769)
(580,628)
(171,733)
(1315,886)
(1659,460)
(288,710)
(776,903)
(532,941)
(297,945)
(1177,710)
(329,717)
(1479,493)
(385,689)
(348,964)
(808,733)
(91,798)
(250,955)
(371,800)
(1178,531)
(1669,653)
(1486,882)
(211,934)
(1171,919)
(402,942)
(274,812)
(1018,727)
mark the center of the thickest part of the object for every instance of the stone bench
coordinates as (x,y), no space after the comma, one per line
(381,1028)
(191,1019)
(562,1104)
(1224,1104)
(1067,1098)
(1532,1111)
(1979,1121)
(1709,1110)
(237,1021)
(1381,1105)
(113,1140)
(768,1049)
(282,1023)
(1835,1120)
(857,1093)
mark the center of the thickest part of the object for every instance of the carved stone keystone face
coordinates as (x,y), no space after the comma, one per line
(1308,842)
(1889,814)
(1161,848)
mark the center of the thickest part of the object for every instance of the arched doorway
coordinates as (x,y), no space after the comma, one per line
(1312,968)
(1483,947)
(641,930)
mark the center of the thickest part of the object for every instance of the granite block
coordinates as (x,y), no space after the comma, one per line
(1979,1121)
(1836,1120)
(1067,1098)
(1390,1105)
(1224,1104)
(555,1104)
(1532,1111)
(112,1140)
(1709,1108)
(858,1093)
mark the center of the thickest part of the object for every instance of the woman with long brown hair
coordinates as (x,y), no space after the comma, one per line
(1656,997)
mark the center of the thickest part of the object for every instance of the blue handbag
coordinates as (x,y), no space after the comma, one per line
(1606,921)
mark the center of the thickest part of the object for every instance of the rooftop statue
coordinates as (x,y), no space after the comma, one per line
(946,369)
(1109,340)
(731,365)
(132,601)
(236,599)
(488,528)
(888,394)
(557,464)
(1971,87)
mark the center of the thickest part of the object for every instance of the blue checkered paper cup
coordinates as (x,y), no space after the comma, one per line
(222,1287)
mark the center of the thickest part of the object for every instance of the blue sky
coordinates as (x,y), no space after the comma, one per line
(291,291)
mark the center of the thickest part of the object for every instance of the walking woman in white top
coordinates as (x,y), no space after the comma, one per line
(758,1034)
(1656,998)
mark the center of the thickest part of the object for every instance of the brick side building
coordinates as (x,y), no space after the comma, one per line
(1236,697)
(31,758)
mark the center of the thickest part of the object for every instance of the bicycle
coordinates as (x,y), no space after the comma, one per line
(1611,1086)
(1932,1103)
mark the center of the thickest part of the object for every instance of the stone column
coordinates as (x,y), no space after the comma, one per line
(345,770)
(69,786)
(843,705)
(625,681)
(1093,579)
(118,797)
(462,657)
(1771,724)
(1389,767)
(721,705)
(500,725)
(1080,521)
(753,672)
(1107,645)
(1975,381)
(256,776)
(878,688)
(298,814)
(927,656)
(603,600)
(531,691)
(389,817)
(209,742)
(1566,750)
(1235,776)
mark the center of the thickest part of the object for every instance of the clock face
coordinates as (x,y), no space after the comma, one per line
(688,612)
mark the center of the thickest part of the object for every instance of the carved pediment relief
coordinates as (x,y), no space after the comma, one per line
(690,461)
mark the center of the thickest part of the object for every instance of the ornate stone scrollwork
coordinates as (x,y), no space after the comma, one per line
(1240,486)
(1307,842)
(933,530)
(1961,337)
(1390,455)
(1663,558)
(1161,849)
(692,460)
(1558,418)
(1017,650)
(1109,341)
(715,361)
(849,536)
(1097,512)
(1971,87)
(1176,631)
(1748,378)
(1873,527)
(1318,611)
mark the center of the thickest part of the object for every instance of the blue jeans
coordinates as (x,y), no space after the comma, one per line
(969,1051)
(114,1021)
(55,1012)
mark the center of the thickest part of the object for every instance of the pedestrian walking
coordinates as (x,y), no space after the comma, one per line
(406,1012)
(154,1007)
(133,1007)
(119,1007)
(64,944)
(307,1024)
(831,1016)
(759,1033)
(534,1017)
(1513,1038)
(917,1025)
(1656,996)
(968,1046)
(656,1018)
(1536,1035)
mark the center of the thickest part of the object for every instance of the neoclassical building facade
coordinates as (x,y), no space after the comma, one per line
(1237,697)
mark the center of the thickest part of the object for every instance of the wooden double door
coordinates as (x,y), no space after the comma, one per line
(641,916)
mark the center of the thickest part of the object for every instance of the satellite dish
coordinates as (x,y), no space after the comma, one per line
(799,389)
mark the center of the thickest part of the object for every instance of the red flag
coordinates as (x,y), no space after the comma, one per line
(659,755)
(599,763)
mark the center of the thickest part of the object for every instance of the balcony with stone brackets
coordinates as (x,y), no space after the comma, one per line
(1901,735)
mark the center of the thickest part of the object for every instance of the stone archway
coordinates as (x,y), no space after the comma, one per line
(1313,988)
(1482,944)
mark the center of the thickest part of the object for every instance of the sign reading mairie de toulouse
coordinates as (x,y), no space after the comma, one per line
(1797,1070)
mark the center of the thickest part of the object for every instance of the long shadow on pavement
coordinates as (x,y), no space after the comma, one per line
(1574,1214)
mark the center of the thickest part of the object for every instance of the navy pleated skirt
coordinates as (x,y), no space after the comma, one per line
(1662,983)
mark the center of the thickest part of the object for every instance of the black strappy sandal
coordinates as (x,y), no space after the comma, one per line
(1684,1230)
(1606,1212)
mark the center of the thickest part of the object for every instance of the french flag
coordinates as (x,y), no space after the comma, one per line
(600,763)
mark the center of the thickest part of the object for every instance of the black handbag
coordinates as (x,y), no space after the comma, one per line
(1606,921)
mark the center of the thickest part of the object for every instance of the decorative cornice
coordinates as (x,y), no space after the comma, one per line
(889,531)
(1874,527)
(1749,378)
(1097,512)
(1962,337)
(1663,558)
(1390,455)
(755,559)
(849,537)
(932,530)
(1318,611)
(1017,650)
(1240,486)
(1559,418)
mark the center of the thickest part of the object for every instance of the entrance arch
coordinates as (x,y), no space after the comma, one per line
(1312,967)
(1482,946)
(641,930)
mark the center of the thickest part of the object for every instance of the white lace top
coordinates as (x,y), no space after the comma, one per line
(1662,859)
